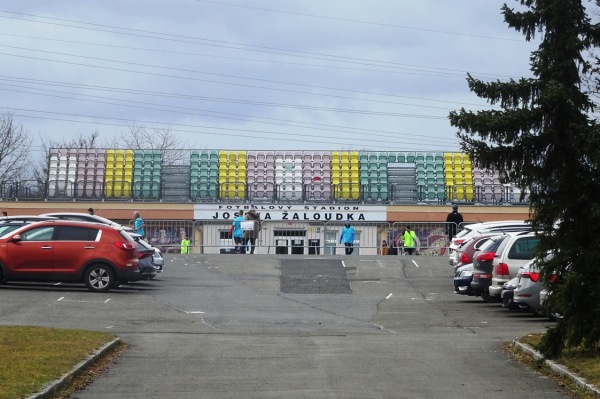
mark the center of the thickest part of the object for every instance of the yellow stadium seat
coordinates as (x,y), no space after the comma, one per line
(469,193)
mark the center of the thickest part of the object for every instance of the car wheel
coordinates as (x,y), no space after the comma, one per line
(99,278)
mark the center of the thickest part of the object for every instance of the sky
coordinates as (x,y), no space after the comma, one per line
(378,75)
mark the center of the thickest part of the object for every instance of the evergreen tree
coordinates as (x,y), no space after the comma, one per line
(542,139)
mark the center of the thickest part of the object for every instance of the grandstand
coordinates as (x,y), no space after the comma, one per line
(209,176)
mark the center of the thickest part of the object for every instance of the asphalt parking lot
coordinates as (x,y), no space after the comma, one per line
(233,326)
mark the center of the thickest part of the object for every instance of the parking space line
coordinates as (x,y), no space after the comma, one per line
(63,299)
(415,263)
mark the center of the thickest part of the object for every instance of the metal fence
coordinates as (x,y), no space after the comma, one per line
(167,234)
(299,237)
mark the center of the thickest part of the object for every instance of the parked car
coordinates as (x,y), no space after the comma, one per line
(507,295)
(68,251)
(85,217)
(466,250)
(482,266)
(157,259)
(11,223)
(462,280)
(528,291)
(510,256)
(550,313)
(146,266)
(25,218)
(471,230)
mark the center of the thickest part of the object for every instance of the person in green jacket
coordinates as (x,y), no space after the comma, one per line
(410,240)
(185,245)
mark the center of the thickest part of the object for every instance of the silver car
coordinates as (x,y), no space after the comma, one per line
(529,288)
(513,253)
(157,258)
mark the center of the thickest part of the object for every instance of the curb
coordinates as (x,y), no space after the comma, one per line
(558,368)
(57,384)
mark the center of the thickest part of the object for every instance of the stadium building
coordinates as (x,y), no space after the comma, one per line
(303,197)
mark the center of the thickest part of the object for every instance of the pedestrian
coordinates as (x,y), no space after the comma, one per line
(453,221)
(409,238)
(347,237)
(238,234)
(250,236)
(139,225)
(384,250)
(91,211)
(185,245)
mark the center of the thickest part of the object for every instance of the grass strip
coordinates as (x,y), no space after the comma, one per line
(584,363)
(31,357)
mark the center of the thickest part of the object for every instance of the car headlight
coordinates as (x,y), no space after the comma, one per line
(466,273)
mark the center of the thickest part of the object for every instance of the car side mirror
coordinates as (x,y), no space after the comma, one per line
(16,238)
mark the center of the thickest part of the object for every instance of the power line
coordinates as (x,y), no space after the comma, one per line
(182,110)
(229,83)
(230,131)
(394,69)
(194,40)
(359,21)
(197,112)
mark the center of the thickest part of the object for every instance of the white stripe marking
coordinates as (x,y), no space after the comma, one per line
(343,263)
(60,299)
(415,263)
(194,312)
(107,300)
(389,296)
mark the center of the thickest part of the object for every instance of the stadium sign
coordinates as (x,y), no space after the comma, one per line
(294,213)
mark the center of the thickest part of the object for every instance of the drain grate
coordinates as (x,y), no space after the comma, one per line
(313,277)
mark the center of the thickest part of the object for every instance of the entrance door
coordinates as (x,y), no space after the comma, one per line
(330,242)
(297,247)
(281,246)
(356,243)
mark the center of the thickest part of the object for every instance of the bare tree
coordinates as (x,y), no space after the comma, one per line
(163,139)
(15,147)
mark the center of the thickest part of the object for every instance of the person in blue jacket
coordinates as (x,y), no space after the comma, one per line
(238,234)
(347,237)
(138,224)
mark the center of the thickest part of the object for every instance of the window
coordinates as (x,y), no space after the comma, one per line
(523,248)
(290,233)
(38,234)
(480,243)
(224,234)
(76,233)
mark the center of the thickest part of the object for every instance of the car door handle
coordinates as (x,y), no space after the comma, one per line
(46,247)
(89,247)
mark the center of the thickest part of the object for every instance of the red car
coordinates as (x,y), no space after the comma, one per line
(467,249)
(98,255)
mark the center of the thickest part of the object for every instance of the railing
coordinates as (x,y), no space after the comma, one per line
(299,237)
(61,189)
